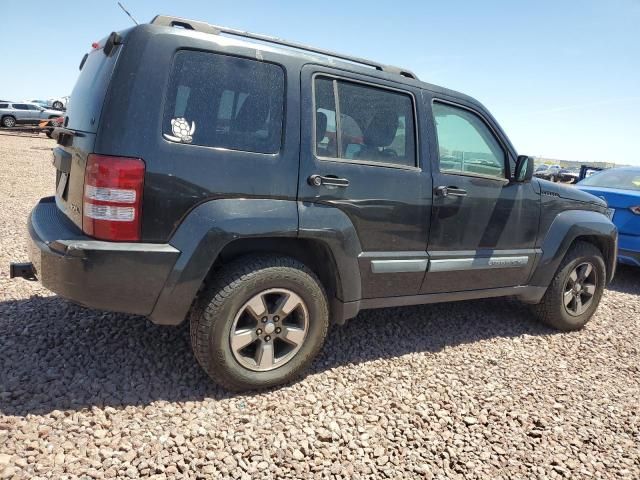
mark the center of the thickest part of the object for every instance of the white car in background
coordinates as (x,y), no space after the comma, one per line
(57,103)
(42,103)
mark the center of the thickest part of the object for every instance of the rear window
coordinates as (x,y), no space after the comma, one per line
(87,97)
(224,101)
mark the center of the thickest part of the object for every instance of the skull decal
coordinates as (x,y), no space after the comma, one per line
(182,131)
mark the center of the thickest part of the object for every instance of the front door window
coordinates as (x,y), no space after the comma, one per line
(466,145)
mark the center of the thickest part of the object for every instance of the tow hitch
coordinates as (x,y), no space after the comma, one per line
(22,270)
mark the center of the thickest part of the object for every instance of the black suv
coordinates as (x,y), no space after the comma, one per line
(262,191)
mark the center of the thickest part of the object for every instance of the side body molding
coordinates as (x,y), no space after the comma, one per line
(204,233)
(565,228)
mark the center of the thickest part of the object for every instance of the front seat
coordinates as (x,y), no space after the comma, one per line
(379,134)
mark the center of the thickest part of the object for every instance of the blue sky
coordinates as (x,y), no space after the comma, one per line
(562,77)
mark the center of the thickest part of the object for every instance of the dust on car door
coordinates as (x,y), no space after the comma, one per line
(483,224)
(361,154)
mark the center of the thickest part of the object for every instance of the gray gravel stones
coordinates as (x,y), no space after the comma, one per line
(464,390)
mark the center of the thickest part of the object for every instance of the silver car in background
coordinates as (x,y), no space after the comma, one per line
(17,113)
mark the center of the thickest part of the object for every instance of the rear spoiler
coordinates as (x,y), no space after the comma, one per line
(113,40)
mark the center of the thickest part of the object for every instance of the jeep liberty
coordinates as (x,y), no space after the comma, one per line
(264,189)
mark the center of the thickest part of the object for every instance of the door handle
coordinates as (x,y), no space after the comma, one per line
(444,191)
(328,180)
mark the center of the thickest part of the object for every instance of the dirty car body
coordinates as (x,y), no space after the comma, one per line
(350,170)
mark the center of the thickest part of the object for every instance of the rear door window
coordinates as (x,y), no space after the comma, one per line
(4,105)
(326,138)
(374,125)
(225,102)
(20,106)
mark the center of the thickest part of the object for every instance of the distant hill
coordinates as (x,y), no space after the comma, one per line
(575,163)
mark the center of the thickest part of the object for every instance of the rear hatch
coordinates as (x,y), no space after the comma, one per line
(77,139)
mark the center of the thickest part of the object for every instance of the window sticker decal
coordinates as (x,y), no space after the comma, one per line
(182,131)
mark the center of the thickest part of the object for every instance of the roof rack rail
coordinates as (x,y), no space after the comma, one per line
(169,21)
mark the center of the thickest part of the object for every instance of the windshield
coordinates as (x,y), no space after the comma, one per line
(615,178)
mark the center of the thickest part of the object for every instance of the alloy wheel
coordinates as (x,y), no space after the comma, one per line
(269,329)
(580,289)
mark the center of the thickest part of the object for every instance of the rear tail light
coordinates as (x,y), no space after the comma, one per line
(112,208)
(635,210)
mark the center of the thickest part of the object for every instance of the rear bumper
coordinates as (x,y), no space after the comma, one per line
(121,277)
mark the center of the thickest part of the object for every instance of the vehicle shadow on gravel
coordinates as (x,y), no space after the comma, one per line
(55,355)
(392,332)
(627,280)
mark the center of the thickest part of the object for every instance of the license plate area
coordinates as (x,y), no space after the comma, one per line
(62,163)
(61,188)
(61,160)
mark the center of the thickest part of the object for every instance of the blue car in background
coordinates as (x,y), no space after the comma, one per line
(620,187)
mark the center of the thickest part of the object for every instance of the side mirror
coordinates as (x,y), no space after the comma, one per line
(524,169)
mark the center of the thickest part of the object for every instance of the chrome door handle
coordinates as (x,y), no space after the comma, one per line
(444,191)
(328,180)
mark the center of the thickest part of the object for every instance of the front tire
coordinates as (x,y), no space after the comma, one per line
(259,323)
(576,290)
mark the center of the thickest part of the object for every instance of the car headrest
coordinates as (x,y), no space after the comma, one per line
(382,130)
(321,126)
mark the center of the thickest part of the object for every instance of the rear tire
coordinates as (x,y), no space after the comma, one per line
(57,105)
(247,302)
(8,121)
(576,290)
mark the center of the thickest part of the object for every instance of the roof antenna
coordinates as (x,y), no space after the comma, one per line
(127,12)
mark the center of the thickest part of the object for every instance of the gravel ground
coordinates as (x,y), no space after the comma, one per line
(464,390)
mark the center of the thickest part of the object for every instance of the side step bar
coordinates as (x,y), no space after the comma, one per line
(22,270)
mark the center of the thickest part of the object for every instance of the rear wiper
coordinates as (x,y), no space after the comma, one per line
(112,42)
